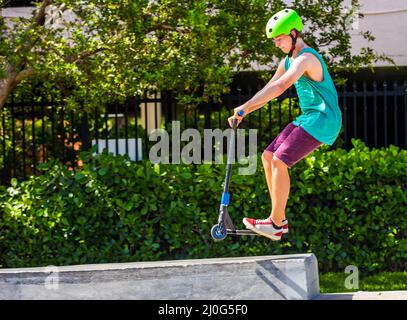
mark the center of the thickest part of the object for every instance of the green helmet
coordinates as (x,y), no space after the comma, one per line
(283,22)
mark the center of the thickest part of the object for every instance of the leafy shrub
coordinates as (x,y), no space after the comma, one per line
(345,207)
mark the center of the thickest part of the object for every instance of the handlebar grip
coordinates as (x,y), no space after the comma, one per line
(240,113)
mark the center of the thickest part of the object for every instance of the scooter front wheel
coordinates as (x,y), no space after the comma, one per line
(218,233)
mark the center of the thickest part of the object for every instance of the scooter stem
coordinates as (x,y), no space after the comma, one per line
(230,158)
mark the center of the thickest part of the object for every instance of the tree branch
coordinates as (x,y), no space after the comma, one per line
(40,15)
(24,74)
(167,27)
(81,56)
(39,19)
(7,84)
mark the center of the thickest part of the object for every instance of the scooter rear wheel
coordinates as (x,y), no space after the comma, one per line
(218,233)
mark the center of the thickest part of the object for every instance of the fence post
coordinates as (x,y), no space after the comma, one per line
(13,132)
(126,124)
(62,128)
(207,112)
(395,96)
(385,112)
(145,124)
(3,122)
(345,116)
(52,119)
(375,112)
(34,149)
(365,112)
(260,123)
(73,153)
(249,91)
(24,142)
(355,111)
(106,120)
(43,131)
(85,131)
(137,104)
(96,128)
(405,111)
(116,128)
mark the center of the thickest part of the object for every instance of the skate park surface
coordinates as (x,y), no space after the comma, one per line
(279,277)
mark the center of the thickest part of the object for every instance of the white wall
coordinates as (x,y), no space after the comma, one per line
(387,20)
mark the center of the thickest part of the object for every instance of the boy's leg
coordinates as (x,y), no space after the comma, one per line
(267,159)
(297,146)
(280,190)
(286,151)
(267,156)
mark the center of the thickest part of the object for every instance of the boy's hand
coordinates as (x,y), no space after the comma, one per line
(238,115)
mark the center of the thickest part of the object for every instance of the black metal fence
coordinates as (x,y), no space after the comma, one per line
(36,130)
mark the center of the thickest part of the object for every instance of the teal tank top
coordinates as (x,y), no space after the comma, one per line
(321,116)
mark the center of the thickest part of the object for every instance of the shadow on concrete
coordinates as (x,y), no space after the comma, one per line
(277,274)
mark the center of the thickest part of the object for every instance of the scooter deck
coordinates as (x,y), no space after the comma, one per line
(241,232)
(230,227)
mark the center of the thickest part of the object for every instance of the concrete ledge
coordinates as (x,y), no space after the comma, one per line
(258,277)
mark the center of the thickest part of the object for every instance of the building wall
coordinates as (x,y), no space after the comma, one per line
(388,22)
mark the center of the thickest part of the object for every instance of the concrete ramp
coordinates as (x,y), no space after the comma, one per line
(258,277)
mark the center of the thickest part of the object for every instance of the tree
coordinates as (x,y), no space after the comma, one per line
(105,50)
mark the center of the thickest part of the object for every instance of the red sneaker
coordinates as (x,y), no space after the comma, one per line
(263,227)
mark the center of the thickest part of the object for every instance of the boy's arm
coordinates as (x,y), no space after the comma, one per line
(275,88)
(277,75)
(280,71)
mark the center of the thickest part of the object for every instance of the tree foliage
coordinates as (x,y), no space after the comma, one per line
(105,50)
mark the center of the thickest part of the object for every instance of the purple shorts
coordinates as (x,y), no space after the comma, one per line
(293,144)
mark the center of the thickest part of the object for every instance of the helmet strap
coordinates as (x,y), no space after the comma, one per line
(294,41)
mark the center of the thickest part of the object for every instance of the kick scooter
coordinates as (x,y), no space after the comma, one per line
(225,225)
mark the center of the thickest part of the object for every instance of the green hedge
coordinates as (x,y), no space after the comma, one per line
(345,207)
